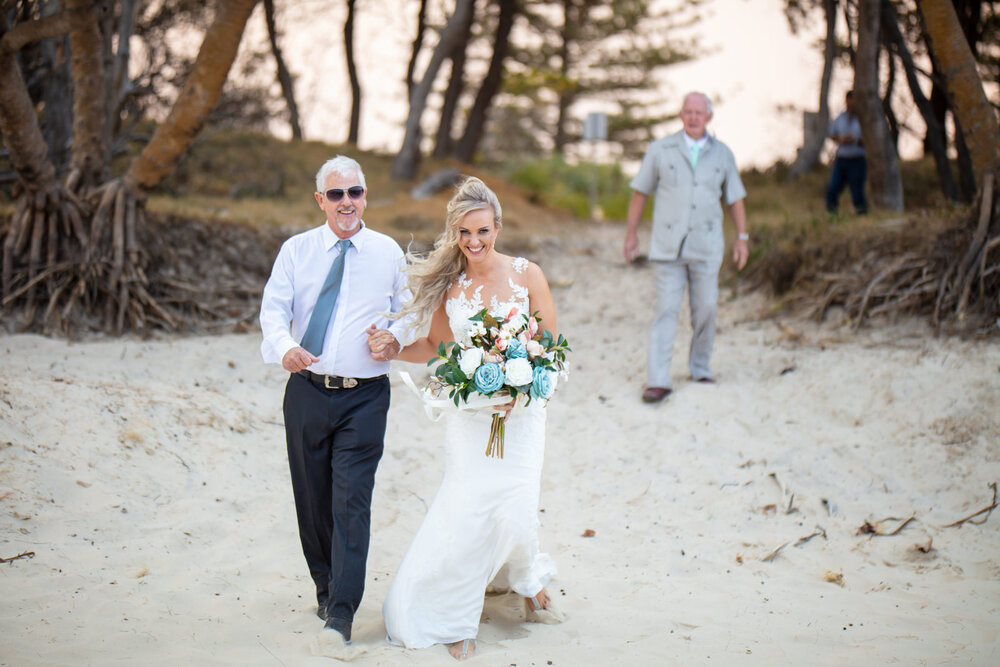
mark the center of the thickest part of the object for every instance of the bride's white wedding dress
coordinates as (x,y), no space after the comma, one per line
(482,526)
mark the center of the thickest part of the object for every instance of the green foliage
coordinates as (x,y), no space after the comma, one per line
(555,182)
(583,50)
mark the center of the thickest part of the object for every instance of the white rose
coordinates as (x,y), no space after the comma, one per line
(472,358)
(534,348)
(477,329)
(518,372)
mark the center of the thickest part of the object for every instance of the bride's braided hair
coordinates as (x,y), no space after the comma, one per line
(431,276)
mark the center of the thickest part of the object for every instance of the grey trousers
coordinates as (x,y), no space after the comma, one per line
(702,280)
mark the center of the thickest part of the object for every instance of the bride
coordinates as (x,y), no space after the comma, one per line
(482,526)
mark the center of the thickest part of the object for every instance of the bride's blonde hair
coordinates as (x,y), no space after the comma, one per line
(431,276)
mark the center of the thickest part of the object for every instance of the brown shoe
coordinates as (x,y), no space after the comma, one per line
(655,394)
(706,380)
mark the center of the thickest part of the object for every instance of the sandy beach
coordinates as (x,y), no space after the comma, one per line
(148,478)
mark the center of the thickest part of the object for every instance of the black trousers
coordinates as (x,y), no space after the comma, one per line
(335,439)
(852,172)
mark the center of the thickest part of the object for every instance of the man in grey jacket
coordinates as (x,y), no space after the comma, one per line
(691,175)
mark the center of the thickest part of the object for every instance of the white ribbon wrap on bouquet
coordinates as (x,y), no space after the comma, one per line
(435,406)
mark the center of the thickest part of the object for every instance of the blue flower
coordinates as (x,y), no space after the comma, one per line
(516,350)
(488,378)
(541,383)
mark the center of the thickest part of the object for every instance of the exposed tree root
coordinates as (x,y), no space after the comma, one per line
(69,272)
(950,276)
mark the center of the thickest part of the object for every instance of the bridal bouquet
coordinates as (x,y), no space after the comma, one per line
(507,357)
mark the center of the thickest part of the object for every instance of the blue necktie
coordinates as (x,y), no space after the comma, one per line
(320,320)
(695,150)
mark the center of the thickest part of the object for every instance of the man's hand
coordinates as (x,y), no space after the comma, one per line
(383,345)
(631,249)
(741,253)
(297,359)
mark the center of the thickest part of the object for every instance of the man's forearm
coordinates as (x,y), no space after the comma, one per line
(738,213)
(635,208)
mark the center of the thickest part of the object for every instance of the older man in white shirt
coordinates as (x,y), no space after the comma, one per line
(328,292)
(689,172)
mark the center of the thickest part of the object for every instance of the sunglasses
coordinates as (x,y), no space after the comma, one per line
(336,194)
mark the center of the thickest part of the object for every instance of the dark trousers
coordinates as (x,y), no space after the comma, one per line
(334,439)
(852,172)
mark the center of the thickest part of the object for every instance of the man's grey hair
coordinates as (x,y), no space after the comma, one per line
(342,166)
(708,100)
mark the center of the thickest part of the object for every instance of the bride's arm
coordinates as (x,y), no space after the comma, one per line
(540,298)
(424,349)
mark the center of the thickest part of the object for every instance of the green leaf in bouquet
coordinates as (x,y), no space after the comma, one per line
(454,375)
(489,321)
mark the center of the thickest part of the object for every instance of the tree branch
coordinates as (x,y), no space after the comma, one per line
(54,25)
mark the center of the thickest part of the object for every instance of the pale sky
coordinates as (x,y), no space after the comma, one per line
(754,70)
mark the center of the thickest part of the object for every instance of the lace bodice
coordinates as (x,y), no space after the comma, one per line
(470,301)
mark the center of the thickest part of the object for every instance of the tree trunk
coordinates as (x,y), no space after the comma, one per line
(815,135)
(966,171)
(936,142)
(565,93)
(973,111)
(408,159)
(443,143)
(200,93)
(976,119)
(890,113)
(18,124)
(83,252)
(886,186)
(91,147)
(352,74)
(467,146)
(121,89)
(851,40)
(284,76)
(43,208)
(418,43)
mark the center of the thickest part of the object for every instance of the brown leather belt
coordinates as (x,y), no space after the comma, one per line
(335,381)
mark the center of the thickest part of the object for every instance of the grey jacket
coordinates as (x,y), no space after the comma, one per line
(687,212)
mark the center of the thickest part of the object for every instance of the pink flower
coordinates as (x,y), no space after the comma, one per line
(501,343)
(523,338)
(513,313)
(493,358)
(532,327)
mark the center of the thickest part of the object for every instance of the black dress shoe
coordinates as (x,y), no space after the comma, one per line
(655,394)
(706,380)
(341,626)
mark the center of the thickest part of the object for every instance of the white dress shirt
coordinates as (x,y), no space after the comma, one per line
(373,284)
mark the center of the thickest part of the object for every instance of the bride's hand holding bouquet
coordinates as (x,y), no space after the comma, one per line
(510,357)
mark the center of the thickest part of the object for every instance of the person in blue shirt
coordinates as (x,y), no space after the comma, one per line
(849,166)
